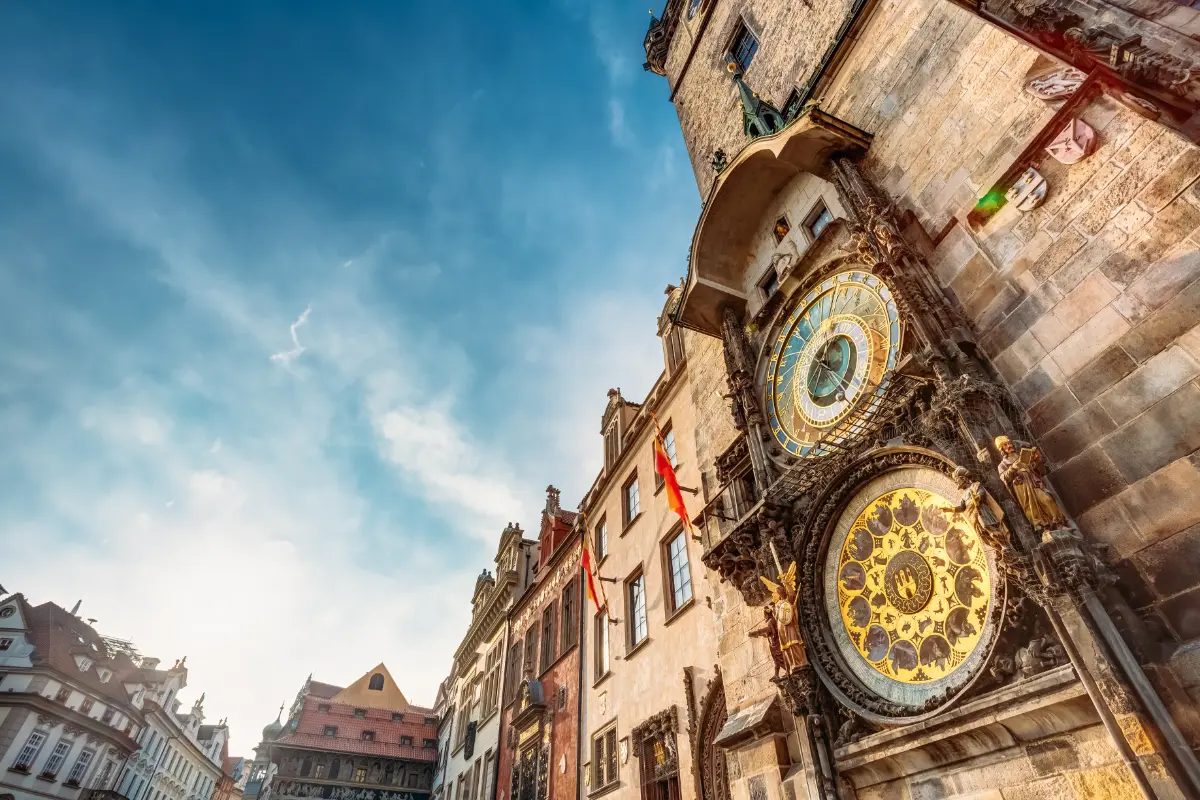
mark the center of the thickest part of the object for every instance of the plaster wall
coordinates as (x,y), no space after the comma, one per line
(648,679)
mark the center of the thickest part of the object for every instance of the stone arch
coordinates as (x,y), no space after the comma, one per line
(708,758)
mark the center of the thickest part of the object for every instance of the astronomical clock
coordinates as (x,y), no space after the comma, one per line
(899,597)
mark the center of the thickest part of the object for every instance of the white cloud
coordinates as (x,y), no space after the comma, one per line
(286,357)
(617,127)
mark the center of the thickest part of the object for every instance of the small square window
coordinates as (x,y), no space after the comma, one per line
(743,46)
(397,717)
(361,713)
(368,736)
(769,284)
(782,228)
(331,730)
(431,721)
(5,644)
(406,741)
(360,775)
(818,220)
(324,708)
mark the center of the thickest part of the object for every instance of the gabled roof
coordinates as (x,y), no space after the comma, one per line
(360,693)
(325,691)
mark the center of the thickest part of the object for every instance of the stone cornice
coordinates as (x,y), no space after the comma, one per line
(491,618)
(60,713)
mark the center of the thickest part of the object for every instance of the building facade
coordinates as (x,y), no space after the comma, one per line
(68,719)
(653,700)
(539,721)
(364,740)
(471,730)
(950,277)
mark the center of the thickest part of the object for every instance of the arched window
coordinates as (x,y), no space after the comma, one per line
(376,682)
(335,768)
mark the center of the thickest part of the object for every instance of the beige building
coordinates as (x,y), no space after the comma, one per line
(950,253)
(653,701)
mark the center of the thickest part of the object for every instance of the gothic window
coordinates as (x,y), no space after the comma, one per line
(531,650)
(632,500)
(742,46)
(547,638)
(305,767)
(335,768)
(611,447)
(600,630)
(673,344)
(570,621)
(818,219)
(635,599)
(678,571)
(604,758)
(376,684)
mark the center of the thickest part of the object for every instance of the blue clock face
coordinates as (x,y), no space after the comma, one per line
(830,363)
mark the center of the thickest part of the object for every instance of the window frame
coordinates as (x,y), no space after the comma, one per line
(628,515)
(23,764)
(768,284)
(732,47)
(367,736)
(600,533)
(548,655)
(636,578)
(327,731)
(814,215)
(79,769)
(568,617)
(605,758)
(58,756)
(601,635)
(677,533)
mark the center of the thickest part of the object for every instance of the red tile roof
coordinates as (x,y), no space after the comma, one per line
(324,690)
(310,731)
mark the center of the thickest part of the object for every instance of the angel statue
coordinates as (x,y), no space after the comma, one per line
(787,621)
(1024,475)
(980,510)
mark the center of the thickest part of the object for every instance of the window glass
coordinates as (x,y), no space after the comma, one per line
(602,539)
(601,636)
(669,446)
(818,220)
(633,504)
(637,610)
(681,575)
(743,46)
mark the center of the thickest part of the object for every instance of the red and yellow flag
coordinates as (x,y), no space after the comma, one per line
(589,571)
(662,465)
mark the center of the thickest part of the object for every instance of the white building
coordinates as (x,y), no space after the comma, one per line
(470,698)
(70,713)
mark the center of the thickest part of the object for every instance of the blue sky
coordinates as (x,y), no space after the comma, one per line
(301,302)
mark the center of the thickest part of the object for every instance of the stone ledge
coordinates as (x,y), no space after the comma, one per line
(1026,711)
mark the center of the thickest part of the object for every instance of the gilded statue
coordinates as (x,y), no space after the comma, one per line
(980,510)
(1024,474)
(787,621)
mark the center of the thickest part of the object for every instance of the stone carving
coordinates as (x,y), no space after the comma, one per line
(769,630)
(301,789)
(787,626)
(1057,85)
(1073,565)
(1075,143)
(1039,655)
(850,729)
(1024,475)
(1029,191)
(980,510)
(800,690)
(654,743)
(719,161)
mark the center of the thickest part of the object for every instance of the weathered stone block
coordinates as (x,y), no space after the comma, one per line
(1152,242)
(1034,386)
(1052,410)
(1055,788)
(1050,331)
(1169,185)
(971,276)
(1084,427)
(1143,169)
(1089,258)
(1052,756)
(1091,339)
(1160,282)
(1107,783)
(1057,254)
(1165,325)
(1173,565)
(1085,301)
(1087,479)
(1154,380)
(1164,503)
(1161,434)
(1105,370)
(1021,319)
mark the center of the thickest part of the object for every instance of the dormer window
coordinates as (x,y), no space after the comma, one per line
(376,684)
(105,674)
(360,713)
(83,662)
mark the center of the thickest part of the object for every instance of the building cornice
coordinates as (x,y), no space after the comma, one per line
(45,706)
(491,618)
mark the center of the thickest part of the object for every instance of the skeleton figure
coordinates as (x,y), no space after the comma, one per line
(783,609)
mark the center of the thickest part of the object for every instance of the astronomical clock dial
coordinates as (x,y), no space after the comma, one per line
(909,590)
(831,361)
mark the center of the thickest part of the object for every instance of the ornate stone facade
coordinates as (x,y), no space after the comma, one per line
(948,410)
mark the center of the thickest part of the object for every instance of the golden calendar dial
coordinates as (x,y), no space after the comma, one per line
(913,587)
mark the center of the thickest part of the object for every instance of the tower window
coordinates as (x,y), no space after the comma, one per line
(769,284)
(376,684)
(818,220)
(632,505)
(743,46)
